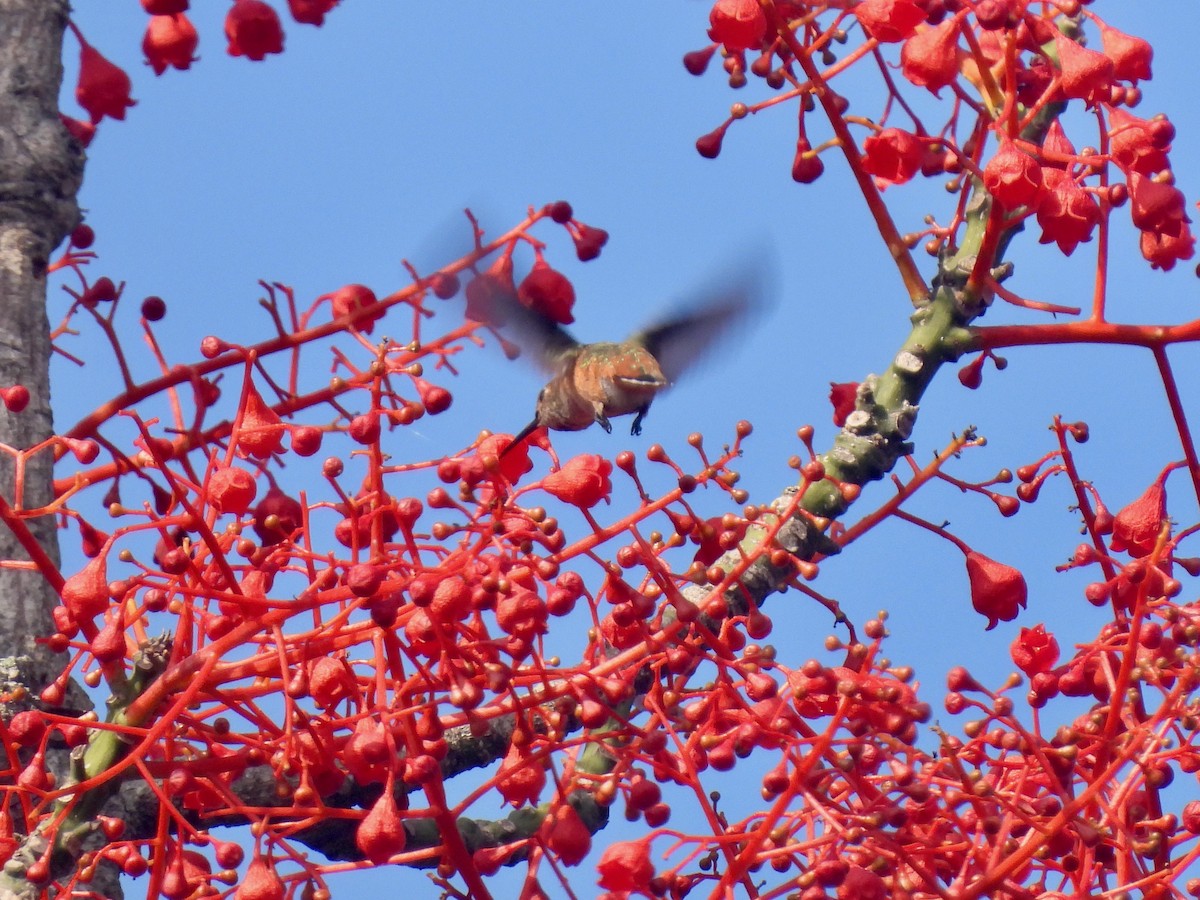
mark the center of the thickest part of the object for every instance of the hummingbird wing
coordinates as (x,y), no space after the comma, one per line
(681,339)
(545,341)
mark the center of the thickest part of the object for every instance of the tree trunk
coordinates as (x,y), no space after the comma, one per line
(41,168)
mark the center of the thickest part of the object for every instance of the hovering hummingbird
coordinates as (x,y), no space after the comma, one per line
(596,382)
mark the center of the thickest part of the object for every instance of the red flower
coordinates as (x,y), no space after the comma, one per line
(1136,527)
(260,432)
(548,292)
(893,156)
(889,21)
(842,396)
(85,594)
(83,132)
(1135,144)
(103,88)
(311,12)
(261,882)
(1086,74)
(164,7)
(626,866)
(997,591)
(1156,207)
(489,292)
(1034,650)
(253,30)
(1163,251)
(582,482)
(930,57)
(738,24)
(520,778)
(1130,55)
(1066,212)
(862,884)
(1013,177)
(381,834)
(565,834)
(170,41)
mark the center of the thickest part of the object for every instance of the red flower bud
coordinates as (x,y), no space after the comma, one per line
(260,432)
(520,779)
(566,835)
(354,297)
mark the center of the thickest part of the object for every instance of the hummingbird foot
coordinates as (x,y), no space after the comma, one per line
(604,423)
(636,428)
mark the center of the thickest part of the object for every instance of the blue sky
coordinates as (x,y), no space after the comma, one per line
(352,150)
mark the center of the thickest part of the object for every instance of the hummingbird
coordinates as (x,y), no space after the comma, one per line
(593,383)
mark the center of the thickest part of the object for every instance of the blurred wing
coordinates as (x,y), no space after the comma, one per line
(542,340)
(680,340)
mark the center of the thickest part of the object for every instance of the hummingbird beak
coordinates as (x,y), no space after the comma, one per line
(520,436)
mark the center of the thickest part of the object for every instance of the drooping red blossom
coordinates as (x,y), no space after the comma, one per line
(85,594)
(1137,526)
(1066,212)
(260,431)
(170,41)
(892,155)
(548,292)
(260,883)
(1163,251)
(626,866)
(103,87)
(253,30)
(1134,143)
(488,292)
(930,57)
(1131,56)
(521,778)
(381,834)
(1034,650)
(842,396)
(738,24)
(889,21)
(565,834)
(231,490)
(1156,207)
(998,591)
(582,482)
(311,12)
(164,7)
(1013,177)
(1086,74)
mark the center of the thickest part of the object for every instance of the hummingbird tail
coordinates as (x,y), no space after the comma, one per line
(520,436)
